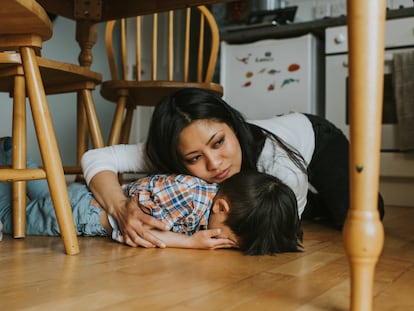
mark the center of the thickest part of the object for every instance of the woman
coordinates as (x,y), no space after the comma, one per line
(195,132)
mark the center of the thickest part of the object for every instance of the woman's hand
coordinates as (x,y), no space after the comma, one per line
(135,226)
(130,219)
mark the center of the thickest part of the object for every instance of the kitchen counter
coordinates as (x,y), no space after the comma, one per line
(250,33)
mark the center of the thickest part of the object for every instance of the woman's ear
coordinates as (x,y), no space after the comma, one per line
(221,205)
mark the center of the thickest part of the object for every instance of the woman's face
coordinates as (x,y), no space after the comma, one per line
(210,150)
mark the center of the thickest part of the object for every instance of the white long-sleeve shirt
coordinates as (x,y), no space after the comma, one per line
(117,158)
(294,128)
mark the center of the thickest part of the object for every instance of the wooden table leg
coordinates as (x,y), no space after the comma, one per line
(363,230)
(86,36)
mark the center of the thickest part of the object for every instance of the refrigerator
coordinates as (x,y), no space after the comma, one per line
(271,77)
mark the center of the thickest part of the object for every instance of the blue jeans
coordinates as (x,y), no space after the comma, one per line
(40,214)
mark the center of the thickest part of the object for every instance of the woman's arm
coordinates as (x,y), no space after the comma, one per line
(203,239)
(100,168)
(117,158)
(130,219)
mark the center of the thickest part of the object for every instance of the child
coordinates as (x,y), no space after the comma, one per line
(254,211)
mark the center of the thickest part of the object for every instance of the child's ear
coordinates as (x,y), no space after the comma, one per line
(221,206)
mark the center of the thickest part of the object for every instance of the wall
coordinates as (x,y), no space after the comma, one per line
(62,46)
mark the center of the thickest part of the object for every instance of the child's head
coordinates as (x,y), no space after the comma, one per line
(261,213)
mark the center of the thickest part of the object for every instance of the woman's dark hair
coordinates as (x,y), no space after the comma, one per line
(177,111)
(263,213)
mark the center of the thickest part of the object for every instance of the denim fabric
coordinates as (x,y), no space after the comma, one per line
(41,217)
(40,214)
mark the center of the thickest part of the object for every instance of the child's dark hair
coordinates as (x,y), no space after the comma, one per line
(263,213)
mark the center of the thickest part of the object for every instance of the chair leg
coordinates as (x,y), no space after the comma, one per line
(49,150)
(19,156)
(93,122)
(87,123)
(82,138)
(127,125)
(115,134)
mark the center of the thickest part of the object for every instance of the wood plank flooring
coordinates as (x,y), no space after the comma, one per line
(35,274)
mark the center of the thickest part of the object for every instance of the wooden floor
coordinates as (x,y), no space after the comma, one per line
(36,275)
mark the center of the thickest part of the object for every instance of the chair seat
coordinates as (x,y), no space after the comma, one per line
(149,93)
(20,18)
(57,77)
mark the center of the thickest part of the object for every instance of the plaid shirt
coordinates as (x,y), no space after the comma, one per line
(182,201)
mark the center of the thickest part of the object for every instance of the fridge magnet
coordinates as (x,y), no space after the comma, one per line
(249,74)
(293,67)
(289,81)
(247,84)
(273,71)
(244,60)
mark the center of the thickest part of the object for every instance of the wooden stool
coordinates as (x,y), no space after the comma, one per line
(24,25)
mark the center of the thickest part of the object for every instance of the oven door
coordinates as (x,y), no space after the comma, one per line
(337,100)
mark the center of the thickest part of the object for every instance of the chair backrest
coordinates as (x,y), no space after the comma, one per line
(23,23)
(179,45)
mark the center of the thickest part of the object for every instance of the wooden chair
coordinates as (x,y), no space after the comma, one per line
(24,25)
(185,35)
(59,78)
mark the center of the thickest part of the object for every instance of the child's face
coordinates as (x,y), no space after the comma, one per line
(216,221)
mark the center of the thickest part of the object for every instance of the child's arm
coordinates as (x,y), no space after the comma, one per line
(203,239)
